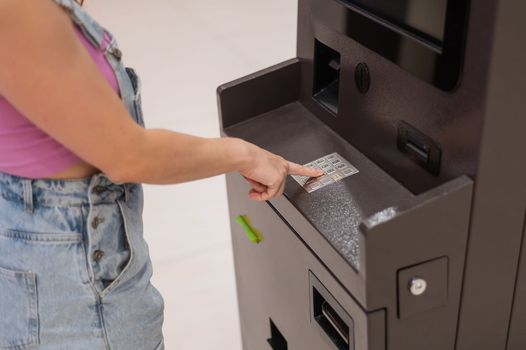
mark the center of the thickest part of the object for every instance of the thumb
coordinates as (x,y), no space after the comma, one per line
(256,185)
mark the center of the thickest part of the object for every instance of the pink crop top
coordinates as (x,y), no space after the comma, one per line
(27,151)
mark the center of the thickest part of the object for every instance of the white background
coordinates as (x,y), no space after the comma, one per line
(183,50)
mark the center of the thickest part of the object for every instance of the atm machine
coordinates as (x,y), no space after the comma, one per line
(413,239)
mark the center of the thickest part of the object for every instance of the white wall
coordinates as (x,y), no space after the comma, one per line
(183,50)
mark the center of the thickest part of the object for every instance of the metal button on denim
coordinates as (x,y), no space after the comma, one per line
(117,53)
(98,190)
(97,255)
(96,222)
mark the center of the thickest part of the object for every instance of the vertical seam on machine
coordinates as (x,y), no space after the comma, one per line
(467,251)
(517,277)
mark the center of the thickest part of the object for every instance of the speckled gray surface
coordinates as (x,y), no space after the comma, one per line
(336,210)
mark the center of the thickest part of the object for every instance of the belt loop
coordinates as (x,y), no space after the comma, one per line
(28,195)
(126,192)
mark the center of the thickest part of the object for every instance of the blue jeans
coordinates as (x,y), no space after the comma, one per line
(74,267)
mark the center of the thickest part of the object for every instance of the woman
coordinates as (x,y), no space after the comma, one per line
(74,268)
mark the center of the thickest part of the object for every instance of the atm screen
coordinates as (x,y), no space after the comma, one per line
(424,37)
(426,17)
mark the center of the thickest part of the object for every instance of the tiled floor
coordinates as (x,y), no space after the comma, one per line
(184,49)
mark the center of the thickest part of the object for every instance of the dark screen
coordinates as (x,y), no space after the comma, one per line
(424,16)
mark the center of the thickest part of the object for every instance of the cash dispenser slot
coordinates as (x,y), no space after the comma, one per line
(337,324)
(330,318)
(327,77)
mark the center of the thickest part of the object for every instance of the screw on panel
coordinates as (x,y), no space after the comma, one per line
(418,286)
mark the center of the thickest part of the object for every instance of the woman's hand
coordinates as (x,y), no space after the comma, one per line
(267,172)
(49,77)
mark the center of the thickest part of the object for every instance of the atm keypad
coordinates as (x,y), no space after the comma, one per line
(335,168)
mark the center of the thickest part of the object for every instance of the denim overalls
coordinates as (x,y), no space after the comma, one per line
(74,267)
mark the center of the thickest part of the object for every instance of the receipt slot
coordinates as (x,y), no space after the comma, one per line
(413,238)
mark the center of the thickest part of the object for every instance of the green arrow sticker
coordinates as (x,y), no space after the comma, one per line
(252,233)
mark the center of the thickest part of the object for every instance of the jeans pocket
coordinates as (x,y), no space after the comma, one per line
(18,310)
(124,272)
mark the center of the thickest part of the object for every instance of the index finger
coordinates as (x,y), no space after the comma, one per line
(296,169)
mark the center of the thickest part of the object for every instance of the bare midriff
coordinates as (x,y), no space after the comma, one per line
(77,171)
(28,152)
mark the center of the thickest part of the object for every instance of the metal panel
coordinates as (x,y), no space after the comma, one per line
(500,194)
(273,282)
(369,121)
(360,226)
(423,287)
(293,132)
(259,92)
(364,230)
(517,330)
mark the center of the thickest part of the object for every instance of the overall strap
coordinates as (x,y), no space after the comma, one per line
(90,28)
(127,79)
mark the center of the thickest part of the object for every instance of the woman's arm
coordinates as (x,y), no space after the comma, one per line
(47,74)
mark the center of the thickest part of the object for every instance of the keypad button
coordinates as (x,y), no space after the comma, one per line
(315,186)
(326,180)
(336,177)
(348,172)
(335,168)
